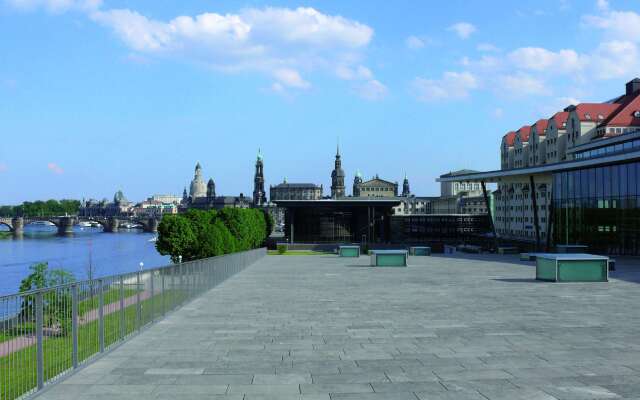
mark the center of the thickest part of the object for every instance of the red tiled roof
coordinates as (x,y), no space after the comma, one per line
(624,116)
(524,133)
(509,138)
(560,118)
(597,112)
(541,126)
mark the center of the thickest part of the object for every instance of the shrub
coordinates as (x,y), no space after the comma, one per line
(282,248)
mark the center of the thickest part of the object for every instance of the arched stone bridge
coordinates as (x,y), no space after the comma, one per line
(65,224)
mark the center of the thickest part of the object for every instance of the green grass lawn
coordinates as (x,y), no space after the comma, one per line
(18,370)
(297,253)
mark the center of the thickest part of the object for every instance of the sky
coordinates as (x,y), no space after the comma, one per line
(102,95)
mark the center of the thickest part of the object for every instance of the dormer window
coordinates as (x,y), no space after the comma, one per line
(564,124)
(600,116)
(636,114)
(587,116)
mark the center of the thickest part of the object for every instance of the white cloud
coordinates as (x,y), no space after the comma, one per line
(452,86)
(498,113)
(602,5)
(291,78)
(543,60)
(55,168)
(620,25)
(414,43)
(356,73)
(55,6)
(487,48)
(521,84)
(463,29)
(371,90)
(615,59)
(283,43)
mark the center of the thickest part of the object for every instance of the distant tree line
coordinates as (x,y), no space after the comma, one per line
(200,234)
(49,208)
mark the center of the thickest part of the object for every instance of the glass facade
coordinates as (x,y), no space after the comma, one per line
(608,150)
(599,207)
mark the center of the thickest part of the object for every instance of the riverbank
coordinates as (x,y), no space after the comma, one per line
(5,235)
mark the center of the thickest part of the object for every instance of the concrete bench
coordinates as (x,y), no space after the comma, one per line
(469,248)
(507,250)
(572,268)
(420,250)
(528,256)
(571,248)
(349,251)
(389,258)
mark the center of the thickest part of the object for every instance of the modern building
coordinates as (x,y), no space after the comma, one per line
(584,190)
(452,189)
(295,191)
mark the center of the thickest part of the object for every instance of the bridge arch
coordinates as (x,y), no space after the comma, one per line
(31,221)
(8,225)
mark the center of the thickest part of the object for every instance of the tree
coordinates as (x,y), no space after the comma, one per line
(56,303)
(175,237)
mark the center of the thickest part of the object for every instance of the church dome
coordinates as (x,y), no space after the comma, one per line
(198,188)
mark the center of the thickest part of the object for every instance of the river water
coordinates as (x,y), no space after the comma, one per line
(107,253)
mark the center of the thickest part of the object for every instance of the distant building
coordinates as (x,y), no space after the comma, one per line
(295,191)
(154,208)
(451,189)
(337,178)
(165,198)
(103,208)
(376,187)
(259,195)
(197,188)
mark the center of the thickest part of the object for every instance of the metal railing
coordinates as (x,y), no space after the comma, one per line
(47,333)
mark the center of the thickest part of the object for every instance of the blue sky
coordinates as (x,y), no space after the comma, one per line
(97,96)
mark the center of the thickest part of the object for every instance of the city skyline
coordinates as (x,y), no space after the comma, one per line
(406,87)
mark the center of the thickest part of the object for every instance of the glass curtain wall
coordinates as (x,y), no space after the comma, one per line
(599,207)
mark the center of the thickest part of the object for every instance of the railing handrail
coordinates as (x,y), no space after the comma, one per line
(112,277)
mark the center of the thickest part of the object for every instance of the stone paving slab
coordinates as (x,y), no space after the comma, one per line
(475,327)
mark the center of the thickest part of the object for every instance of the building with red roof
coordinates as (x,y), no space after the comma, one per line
(537,147)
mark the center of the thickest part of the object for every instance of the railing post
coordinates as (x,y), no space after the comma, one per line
(138,304)
(101,314)
(74,325)
(164,309)
(123,322)
(39,338)
(152,304)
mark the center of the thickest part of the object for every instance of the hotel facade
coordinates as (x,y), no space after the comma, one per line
(572,178)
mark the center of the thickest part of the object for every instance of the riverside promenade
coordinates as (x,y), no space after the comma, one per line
(323,327)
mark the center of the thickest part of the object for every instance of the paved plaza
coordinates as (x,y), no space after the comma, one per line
(323,327)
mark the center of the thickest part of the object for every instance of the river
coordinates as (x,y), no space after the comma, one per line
(107,253)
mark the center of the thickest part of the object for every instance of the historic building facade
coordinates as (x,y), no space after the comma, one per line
(203,196)
(295,191)
(375,187)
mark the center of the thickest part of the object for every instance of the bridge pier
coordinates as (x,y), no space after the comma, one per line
(151,225)
(65,226)
(18,226)
(112,225)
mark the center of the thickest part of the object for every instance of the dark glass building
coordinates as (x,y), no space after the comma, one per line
(599,207)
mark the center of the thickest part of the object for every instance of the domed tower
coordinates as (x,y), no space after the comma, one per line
(211,189)
(405,186)
(259,195)
(356,184)
(198,187)
(337,178)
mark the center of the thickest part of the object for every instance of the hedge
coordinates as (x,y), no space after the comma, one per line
(200,234)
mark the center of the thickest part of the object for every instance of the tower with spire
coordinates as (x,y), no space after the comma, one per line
(259,195)
(197,188)
(405,186)
(211,189)
(356,184)
(337,177)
